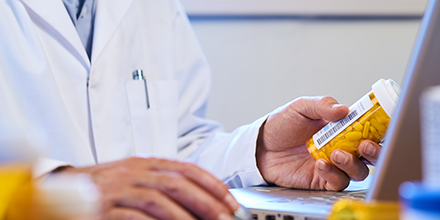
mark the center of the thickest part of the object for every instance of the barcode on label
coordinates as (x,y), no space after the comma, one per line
(336,127)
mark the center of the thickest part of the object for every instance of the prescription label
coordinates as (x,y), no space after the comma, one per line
(323,136)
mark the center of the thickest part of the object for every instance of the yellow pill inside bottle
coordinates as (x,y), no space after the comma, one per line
(366,130)
(353,136)
(368,119)
(358,127)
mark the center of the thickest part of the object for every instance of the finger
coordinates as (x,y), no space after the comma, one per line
(370,151)
(151,202)
(202,178)
(352,166)
(321,108)
(118,213)
(335,179)
(189,195)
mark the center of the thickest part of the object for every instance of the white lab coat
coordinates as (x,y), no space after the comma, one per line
(85,112)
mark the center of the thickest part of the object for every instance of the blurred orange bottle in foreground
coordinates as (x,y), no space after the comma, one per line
(56,197)
(16,192)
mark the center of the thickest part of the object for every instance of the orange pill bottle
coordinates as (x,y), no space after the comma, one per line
(368,120)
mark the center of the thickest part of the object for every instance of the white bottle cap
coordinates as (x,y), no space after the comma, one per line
(387,93)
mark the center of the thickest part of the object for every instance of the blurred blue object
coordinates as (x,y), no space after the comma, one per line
(419,201)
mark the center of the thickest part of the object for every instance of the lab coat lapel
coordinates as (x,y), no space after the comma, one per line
(55,15)
(108,16)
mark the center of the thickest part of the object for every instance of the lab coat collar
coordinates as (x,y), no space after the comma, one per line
(109,14)
(55,16)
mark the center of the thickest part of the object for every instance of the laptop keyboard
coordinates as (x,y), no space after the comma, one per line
(325,199)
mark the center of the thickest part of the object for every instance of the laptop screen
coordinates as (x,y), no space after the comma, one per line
(400,159)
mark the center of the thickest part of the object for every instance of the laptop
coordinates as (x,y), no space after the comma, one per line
(400,159)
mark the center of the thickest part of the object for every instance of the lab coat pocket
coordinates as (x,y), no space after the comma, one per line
(154,128)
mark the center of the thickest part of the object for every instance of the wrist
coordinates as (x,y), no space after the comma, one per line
(260,148)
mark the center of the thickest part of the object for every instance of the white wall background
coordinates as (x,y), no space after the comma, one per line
(261,63)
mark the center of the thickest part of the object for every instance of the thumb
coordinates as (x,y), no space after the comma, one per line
(317,108)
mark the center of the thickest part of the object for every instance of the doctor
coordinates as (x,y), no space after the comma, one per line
(66,79)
